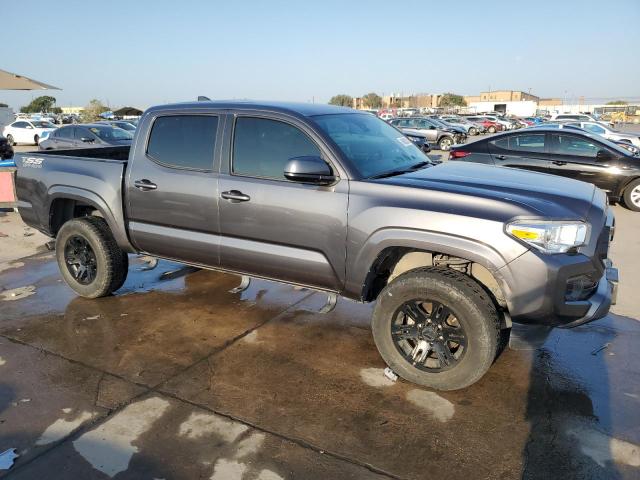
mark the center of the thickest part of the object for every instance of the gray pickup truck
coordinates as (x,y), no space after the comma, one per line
(339,201)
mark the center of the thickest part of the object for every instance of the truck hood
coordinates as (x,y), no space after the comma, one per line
(526,193)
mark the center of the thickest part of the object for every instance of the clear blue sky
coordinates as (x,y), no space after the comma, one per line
(143,52)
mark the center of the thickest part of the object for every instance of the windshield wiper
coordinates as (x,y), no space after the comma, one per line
(392,173)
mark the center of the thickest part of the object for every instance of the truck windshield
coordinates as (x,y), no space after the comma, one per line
(372,145)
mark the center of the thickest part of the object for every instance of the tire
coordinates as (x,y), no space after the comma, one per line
(473,131)
(101,256)
(10,140)
(445,143)
(36,139)
(472,309)
(491,129)
(631,195)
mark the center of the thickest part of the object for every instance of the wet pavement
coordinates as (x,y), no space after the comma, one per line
(176,377)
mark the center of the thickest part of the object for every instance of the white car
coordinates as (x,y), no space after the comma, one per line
(27,131)
(607,132)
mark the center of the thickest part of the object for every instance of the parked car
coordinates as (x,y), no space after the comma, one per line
(420,140)
(506,124)
(27,131)
(6,151)
(123,124)
(568,152)
(442,137)
(386,116)
(635,151)
(534,120)
(607,132)
(488,125)
(451,253)
(446,125)
(471,128)
(82,136)
(575,117)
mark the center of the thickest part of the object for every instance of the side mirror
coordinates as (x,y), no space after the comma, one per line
(604,156)
(431,127)
(309,169)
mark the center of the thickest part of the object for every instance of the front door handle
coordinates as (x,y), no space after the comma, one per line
(501,157)
(145,185)
(235,196)
(559,163)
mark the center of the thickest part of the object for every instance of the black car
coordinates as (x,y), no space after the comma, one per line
(420,141)
(567,152)
(6,151)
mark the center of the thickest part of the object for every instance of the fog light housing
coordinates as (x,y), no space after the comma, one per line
(580,287)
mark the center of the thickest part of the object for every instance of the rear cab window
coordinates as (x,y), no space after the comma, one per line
(183,141)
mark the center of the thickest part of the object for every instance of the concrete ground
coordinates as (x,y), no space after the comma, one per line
(176,377)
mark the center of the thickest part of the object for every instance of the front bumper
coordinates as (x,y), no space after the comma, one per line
(605,295)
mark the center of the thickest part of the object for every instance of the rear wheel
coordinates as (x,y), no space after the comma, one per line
(473,131)
(445,143)
(632,196)
(36,139)
(90,260)
(436,327)
(492,129)
(10,140)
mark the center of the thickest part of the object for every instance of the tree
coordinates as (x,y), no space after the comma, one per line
(341,100)
(617,102)
(452,100)
(93,110)
(372,100)
(42,104)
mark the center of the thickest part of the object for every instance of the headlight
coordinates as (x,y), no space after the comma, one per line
(550,237)
(414,139)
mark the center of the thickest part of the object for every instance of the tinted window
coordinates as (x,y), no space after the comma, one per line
(522,143)
(577,146)
(81,133)
(594,128)
(261,147)
(64,133)
(20,125)
(183,141)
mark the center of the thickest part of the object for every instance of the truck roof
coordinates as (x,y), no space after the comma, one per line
(300,109)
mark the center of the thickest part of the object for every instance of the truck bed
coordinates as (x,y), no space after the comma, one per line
(83,177)
(95,153)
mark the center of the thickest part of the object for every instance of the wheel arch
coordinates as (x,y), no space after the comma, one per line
(66,203)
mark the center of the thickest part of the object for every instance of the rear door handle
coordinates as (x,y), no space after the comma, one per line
(145,185)
(559,163)
(235,196)
(501,157)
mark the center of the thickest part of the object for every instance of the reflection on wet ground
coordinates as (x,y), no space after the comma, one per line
(176,377)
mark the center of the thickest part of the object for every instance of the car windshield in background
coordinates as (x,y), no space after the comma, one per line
(126,126)
(110,133)
(41,124)
(372,145)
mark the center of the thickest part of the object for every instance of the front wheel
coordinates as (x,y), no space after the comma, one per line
(632,196)
(10,140)
(492,129)
(90,260)
(445,143)
(36,139)
(473,131)
(436,327)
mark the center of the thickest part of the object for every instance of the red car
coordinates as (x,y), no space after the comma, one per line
(491,127)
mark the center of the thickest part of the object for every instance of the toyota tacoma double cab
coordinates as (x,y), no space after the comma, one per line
(339,201)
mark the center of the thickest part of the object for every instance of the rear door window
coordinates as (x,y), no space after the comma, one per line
(65,133)
(533,142)
(262,147)
(184,141)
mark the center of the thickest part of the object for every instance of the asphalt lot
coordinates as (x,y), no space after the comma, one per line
(176,377)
